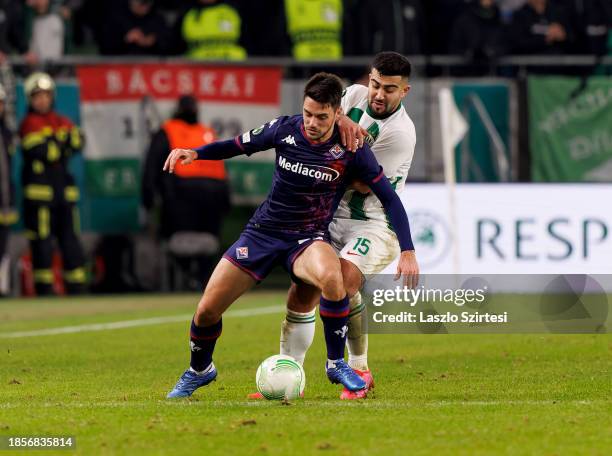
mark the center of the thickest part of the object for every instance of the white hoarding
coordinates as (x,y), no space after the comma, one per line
(511,229)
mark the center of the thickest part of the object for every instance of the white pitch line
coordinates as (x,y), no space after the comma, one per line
(134,323)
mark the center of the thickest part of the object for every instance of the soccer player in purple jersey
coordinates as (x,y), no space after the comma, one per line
(312,172)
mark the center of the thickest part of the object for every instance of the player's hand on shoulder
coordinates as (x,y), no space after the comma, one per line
(408,269)
(351,134)
(186,156)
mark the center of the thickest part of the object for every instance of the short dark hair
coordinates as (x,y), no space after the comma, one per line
(324,88)
(389,63)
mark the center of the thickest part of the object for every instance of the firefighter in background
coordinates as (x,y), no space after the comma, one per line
(196,197)
(50,196)
(8,215)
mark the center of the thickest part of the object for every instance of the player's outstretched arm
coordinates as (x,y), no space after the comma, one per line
(407,265)
(256,140)
(371,173)
(218,150)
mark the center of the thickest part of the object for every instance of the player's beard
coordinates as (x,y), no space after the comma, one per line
(379,109)
(389,108)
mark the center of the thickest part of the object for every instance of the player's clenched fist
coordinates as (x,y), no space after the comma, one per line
(186,156)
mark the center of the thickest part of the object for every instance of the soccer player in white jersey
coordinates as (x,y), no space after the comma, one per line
(360,230)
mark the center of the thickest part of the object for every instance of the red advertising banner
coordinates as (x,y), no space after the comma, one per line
(207,83)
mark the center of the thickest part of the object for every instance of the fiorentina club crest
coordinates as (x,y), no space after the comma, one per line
(336,151)
(242,253)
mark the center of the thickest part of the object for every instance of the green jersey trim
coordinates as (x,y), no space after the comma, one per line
(357,206)
(374,131)
(355,114)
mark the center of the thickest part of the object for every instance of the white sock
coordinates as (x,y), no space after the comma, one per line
(297,333)
(210,367)
(356,341)
(331,363)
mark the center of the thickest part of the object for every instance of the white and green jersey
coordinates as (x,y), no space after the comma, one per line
(392,140)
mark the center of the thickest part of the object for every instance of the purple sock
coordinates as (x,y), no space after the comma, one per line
(202,343)
(334,315)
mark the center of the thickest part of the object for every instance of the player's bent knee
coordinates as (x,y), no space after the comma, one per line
(205,316)
(351,277)
(332,285)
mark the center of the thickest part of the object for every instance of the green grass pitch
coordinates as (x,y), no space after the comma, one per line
(435,394)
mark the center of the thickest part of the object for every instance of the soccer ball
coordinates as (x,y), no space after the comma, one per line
(280,377)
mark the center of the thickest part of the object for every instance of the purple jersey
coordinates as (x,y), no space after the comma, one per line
(309,178)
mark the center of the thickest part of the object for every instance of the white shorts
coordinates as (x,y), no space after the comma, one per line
(369,245)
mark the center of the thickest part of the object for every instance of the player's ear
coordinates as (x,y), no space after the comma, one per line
(405,90)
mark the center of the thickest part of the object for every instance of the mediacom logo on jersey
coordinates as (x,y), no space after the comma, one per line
(318,172)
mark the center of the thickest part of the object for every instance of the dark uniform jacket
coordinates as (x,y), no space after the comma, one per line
(390,25)
(477,33)
(194,197)
(48,141)
(528,29)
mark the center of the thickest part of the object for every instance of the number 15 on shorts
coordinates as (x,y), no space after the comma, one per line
(361,247)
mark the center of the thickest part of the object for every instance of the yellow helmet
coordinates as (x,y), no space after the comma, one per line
(36,82)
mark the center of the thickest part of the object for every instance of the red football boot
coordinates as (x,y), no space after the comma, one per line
(361,394)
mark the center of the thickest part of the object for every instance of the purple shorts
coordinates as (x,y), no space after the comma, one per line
(257,252)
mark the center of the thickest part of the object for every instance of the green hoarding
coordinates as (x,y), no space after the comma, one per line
(570,129)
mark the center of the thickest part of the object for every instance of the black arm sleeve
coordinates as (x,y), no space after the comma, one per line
(395,210)
(220,150)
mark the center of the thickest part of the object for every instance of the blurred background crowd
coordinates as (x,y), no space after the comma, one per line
(91,102)
(236,29)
